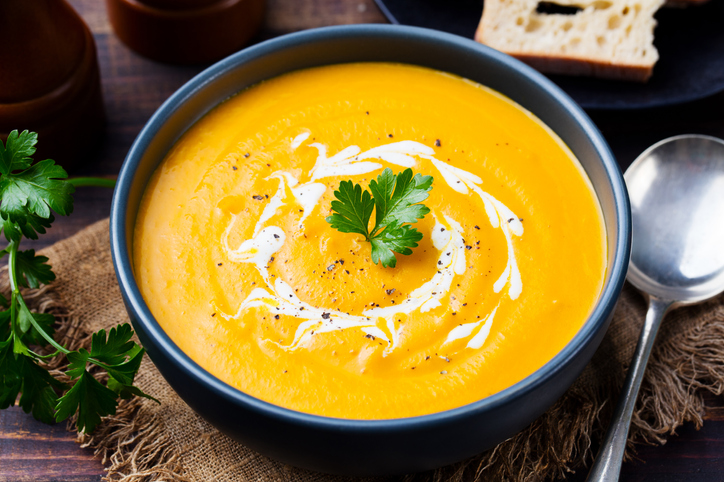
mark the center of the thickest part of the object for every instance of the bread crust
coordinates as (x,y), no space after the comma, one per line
(585,67)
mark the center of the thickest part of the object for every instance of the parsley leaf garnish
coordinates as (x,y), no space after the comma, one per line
(90,399)
(20,374)
(17,151)
(34,270)
(29,194)
(394,199)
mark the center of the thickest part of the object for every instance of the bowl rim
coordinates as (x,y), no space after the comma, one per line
(135,302)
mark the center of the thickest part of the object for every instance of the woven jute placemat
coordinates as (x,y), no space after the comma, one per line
(145,441)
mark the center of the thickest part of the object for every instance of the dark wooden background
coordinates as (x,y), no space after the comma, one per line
(133,87)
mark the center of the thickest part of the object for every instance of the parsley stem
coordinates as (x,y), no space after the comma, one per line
(92,181)
(12,250)
(13,322)
(40,330)
(18,303)
(99,363)
(43,357)
(18,346)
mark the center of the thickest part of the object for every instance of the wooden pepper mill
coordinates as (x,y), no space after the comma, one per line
(49,78)
(185,31)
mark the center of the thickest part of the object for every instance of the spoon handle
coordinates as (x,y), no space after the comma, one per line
(607,466)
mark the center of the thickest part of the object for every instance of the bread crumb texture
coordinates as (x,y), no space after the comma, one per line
(601,38)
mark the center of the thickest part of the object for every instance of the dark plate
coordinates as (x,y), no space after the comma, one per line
(690,43)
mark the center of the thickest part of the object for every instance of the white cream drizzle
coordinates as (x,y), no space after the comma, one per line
(275,203)
(350,161)
(308,196)
(297,141)
(284,301)
(478,340)
(257,250)
(467,329)
(449,241)
(499,215)
(280,298)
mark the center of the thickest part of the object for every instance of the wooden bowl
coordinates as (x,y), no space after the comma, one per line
(49,79)
(185,31)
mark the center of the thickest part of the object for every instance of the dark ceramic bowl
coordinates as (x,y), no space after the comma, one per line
(366,447)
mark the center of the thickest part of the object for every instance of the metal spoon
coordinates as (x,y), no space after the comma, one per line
(677,202)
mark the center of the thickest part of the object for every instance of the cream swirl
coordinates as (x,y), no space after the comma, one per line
(447,237)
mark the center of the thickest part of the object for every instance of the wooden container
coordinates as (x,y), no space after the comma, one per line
(49,78)
(185,31)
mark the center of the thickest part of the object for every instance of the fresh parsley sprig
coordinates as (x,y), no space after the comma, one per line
(29,193)
(394,199)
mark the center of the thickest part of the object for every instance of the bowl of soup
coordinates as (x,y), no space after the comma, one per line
(293,336)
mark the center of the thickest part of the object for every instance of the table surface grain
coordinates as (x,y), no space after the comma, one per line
(133,87)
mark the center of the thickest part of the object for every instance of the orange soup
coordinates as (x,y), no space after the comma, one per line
(236,261)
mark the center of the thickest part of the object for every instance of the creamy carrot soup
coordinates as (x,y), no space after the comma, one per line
(236,261)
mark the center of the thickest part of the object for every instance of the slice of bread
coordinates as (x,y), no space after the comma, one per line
(603,38)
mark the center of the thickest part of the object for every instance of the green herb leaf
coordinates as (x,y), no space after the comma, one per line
(11,230)
(117,354)
(399,206)
(29,194)
(352,210)
(20,374)
(17,151)
(77,362)
(33,270)
(402,207)
(395,238)
(125,372)
(10,378)
(19,347)
(25,317)
(90,399)
(382,189)
(35,191)
(127,391)
(33,336)
(5,325)
(30,227)
(395,200)
(39,396)
(118,346)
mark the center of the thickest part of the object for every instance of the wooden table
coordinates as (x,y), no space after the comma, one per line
(134,87)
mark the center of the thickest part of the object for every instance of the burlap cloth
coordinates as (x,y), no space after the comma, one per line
(149,442)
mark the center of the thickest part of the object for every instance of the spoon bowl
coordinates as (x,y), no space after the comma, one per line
(677,253)
(676,189)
